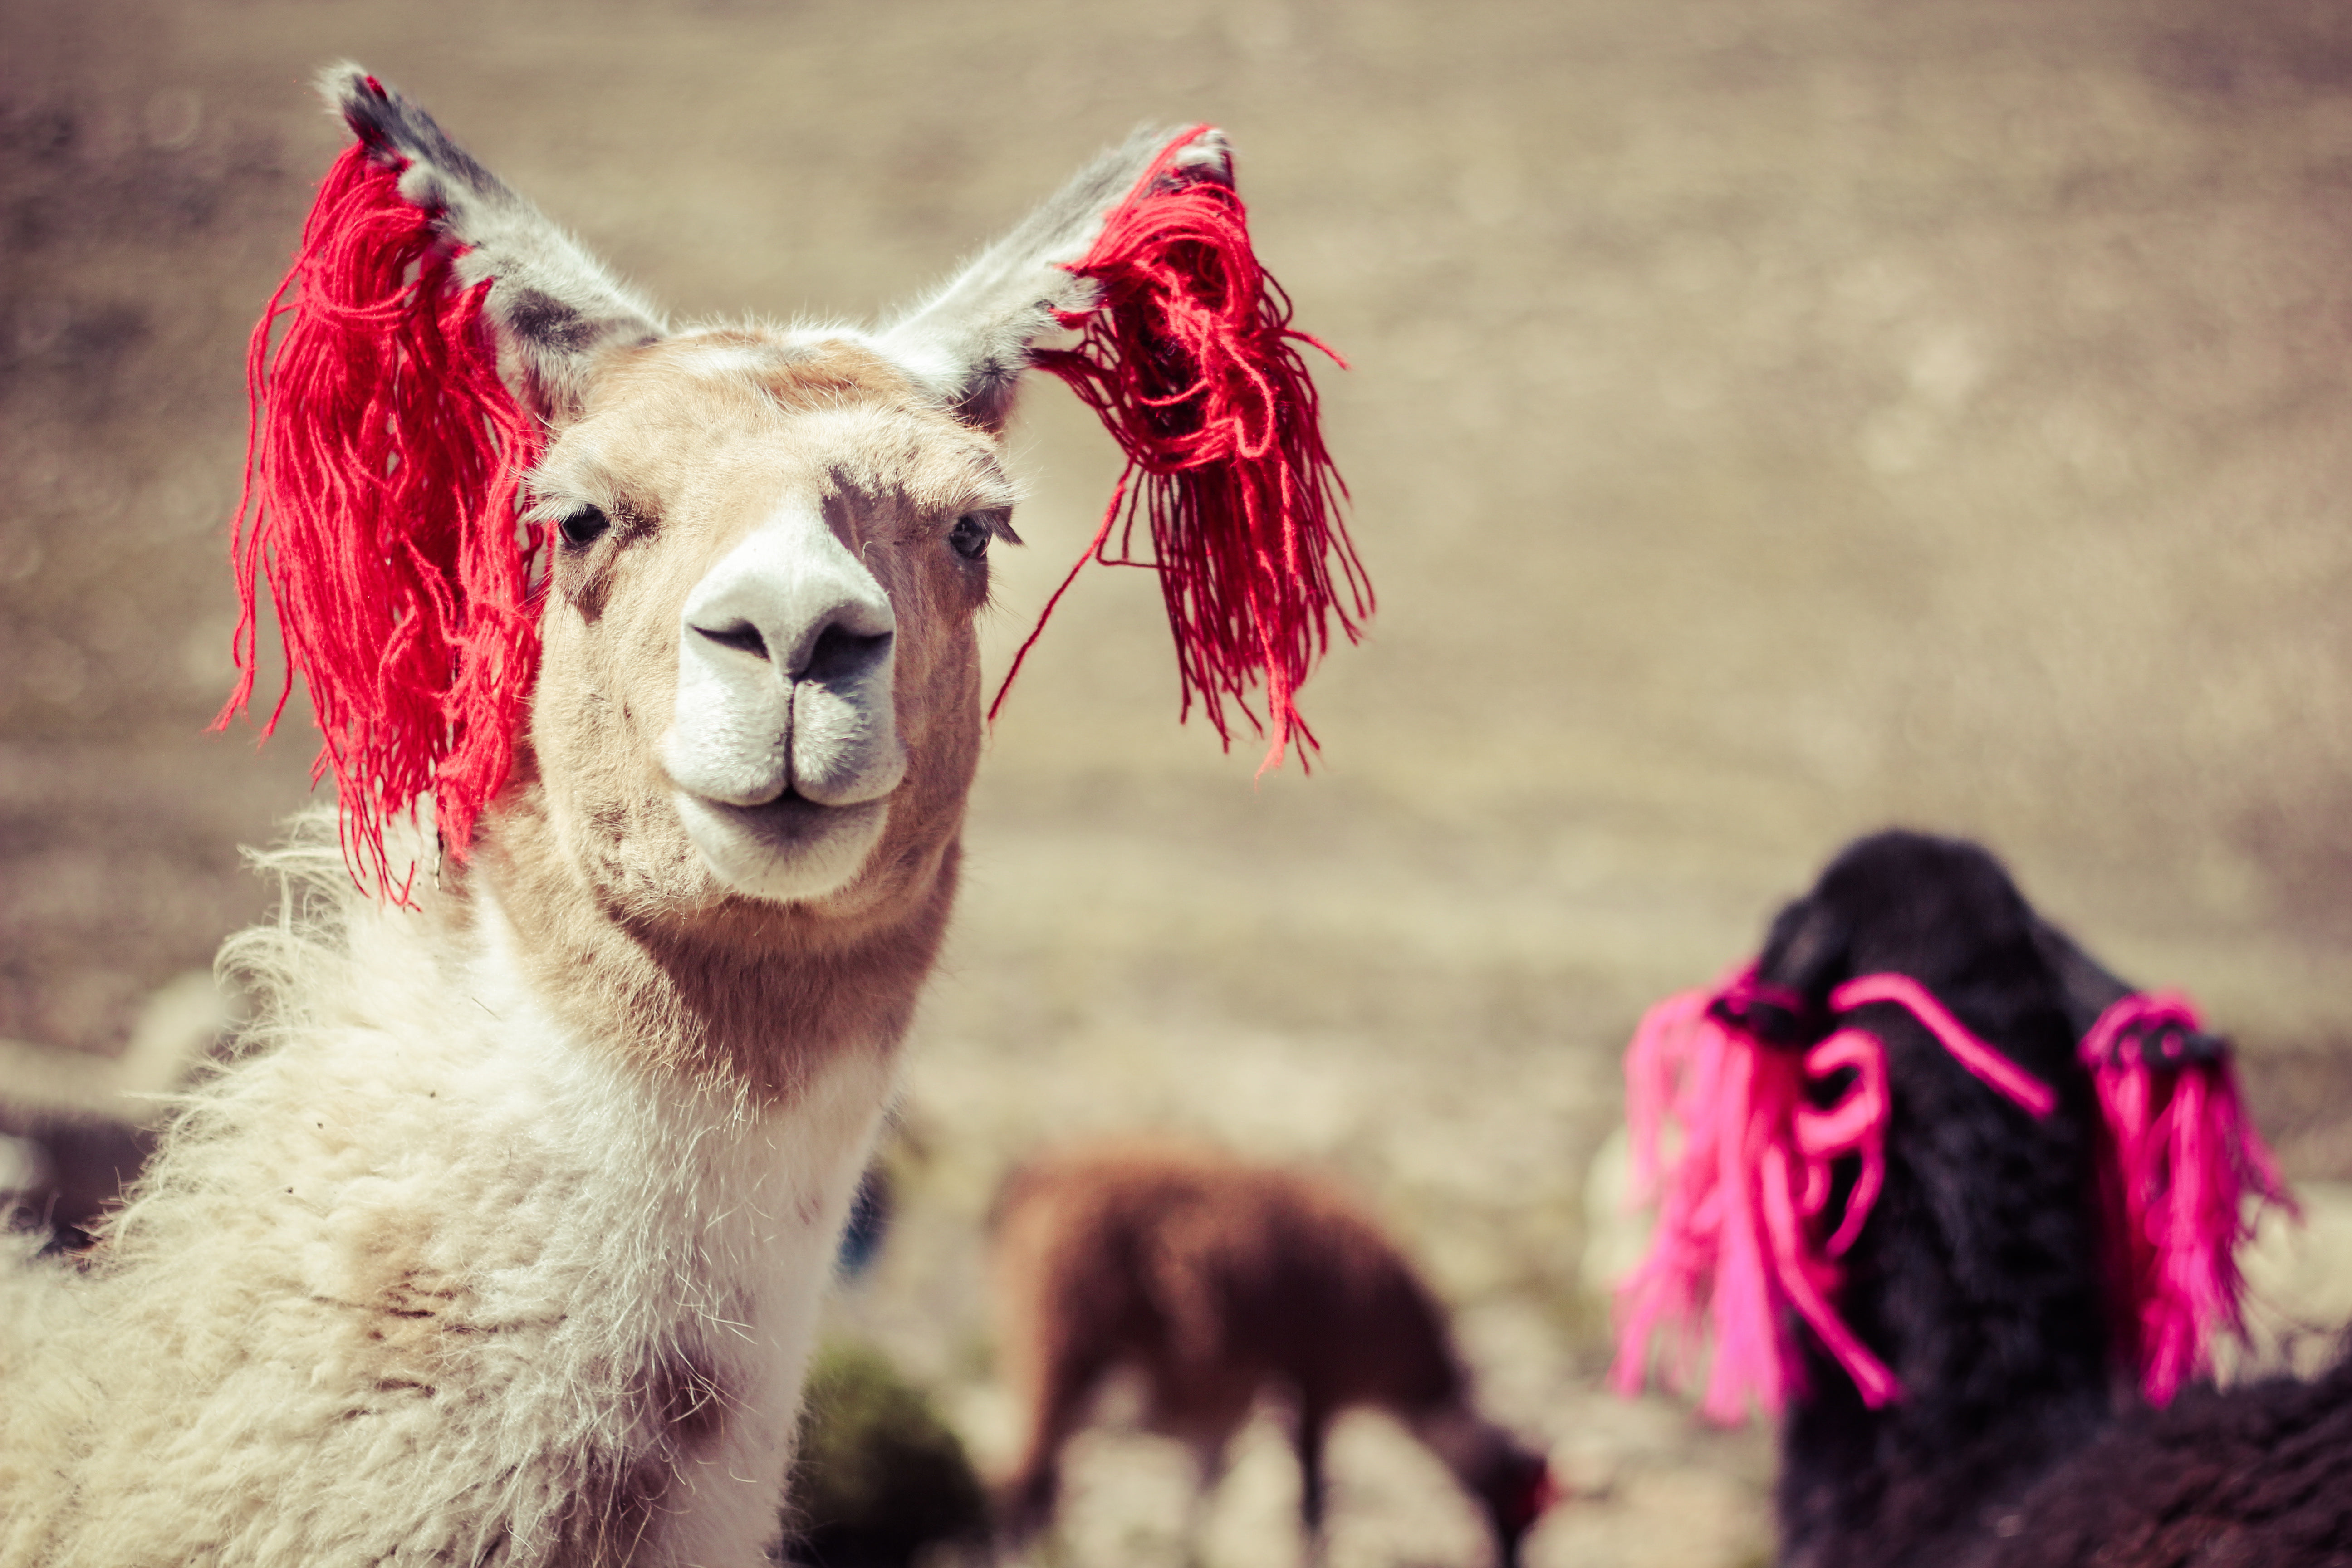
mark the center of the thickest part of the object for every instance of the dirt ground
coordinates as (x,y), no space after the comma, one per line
(1767,421)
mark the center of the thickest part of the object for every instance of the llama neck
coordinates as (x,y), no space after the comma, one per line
(753,1051)
(1975,1280)
(685,1239)
(546,1293)
(742,1000)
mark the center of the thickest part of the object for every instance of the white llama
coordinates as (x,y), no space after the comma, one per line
(503,1240)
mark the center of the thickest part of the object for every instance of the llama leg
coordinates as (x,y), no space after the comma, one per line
(1211,1454)
(1029,1498)
(1314,1421)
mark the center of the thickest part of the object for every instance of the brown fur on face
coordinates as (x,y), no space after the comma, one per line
(688,444)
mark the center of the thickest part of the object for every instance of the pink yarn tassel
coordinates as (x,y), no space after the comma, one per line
(1735,1242)
(2182,1158)
(1988,1064)
(1737,1250)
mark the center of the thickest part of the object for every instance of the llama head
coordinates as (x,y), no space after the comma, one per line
(2011,1121)
(1941,910)
(761,674)
(1513,1483)
(1977,1268)
(757,671)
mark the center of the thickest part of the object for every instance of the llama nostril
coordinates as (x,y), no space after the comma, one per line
(742,636)
(839,652)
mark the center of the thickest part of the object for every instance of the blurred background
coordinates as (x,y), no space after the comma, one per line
(1767,421)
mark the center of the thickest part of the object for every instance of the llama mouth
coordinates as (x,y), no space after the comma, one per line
(788,848)
(792,818)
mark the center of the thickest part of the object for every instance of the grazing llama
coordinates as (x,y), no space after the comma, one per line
(1221,1283)
(502,1241)
(1967,1206)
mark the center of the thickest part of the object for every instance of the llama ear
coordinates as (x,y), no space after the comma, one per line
(551,307)
(2087,988)
(970,342)
(1809,950)
(1187,353)
(403,377)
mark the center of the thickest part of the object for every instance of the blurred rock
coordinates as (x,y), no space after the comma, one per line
(2298,1285)
(881,1481)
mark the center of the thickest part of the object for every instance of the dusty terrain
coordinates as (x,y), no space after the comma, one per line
(1767,421)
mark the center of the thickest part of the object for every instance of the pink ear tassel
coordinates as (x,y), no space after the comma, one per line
(1735,1247)
(2182,1156)
(1738,1251)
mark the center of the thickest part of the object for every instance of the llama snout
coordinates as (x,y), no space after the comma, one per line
(784,745)
(786,664)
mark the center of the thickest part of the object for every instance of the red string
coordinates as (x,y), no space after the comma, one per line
(1190,358)
(383,457)
(2181,1156)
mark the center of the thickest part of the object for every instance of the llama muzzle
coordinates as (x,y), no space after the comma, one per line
(785,746)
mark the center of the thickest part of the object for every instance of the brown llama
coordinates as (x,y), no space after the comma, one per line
(1221,1283)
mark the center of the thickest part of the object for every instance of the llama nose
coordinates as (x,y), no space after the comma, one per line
(832,651)
(802,606)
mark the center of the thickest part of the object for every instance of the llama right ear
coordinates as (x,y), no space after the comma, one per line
(404,376)
(551,307)
(2087,988)
(970,342)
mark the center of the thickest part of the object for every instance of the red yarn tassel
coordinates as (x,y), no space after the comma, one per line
(2181,1158)
(383,455)
(1190,358)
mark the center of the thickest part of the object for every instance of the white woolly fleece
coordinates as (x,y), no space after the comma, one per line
(424,1279)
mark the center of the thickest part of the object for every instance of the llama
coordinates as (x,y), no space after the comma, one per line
(1222,1282)
(1985,1374)
(503,1240)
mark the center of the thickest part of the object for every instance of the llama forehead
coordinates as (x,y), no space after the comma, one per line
(730,415)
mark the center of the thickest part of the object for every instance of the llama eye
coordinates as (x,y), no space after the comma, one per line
(584,526)
(971,536)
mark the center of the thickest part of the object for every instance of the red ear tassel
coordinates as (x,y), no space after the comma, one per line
(384,458)
(1190,359)
(2181,1157)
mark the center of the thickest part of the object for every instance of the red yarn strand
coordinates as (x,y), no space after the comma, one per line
(384,458)
(1190,358)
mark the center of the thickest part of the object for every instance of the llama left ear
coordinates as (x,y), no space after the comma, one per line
(2087,988)
(970,342)
(551,307)
(1187,353)
(1809,950)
